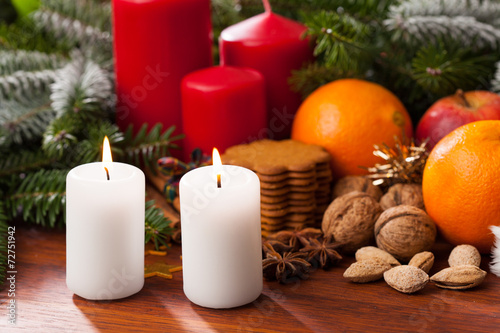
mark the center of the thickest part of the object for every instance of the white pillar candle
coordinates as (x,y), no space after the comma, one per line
(105,230)
(221,237)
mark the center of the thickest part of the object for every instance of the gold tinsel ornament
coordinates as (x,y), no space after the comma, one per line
(404,163)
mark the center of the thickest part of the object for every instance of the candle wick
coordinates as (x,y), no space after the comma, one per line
(218,181)
(267,5)
(107,172)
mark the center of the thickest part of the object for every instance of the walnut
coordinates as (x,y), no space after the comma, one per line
(356,183)
(403,194)
(404,231)
(350,220)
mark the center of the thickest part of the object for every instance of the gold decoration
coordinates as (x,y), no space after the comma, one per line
(161,269)
(404,164)
(156,253)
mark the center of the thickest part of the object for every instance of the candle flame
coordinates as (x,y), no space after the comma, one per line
(217,163)
(106,151)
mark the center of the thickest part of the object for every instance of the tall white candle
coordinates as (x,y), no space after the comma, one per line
(221,237)
(105,230)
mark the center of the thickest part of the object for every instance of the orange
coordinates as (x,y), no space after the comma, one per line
(461,184)
(347,117)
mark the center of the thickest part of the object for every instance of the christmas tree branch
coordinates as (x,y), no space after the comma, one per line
(495,82)
(340,39)
(460,29)
(485,11)
(82,88)
(145,148)
(24,161)
(28,61)
(22,84)
(42,197)
(441,71)
(157,226)
(23,122)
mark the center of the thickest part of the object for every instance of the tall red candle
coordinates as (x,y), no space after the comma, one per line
(156,43)
(274,46)
(221,107)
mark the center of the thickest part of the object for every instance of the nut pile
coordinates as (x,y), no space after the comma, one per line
(373,263)
(397,221)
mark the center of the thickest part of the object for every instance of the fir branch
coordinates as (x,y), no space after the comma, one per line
(460,29)
(81,87)
(89,149)
(28,61)
(71,30)
(442,71)
(23,122)
(60,135)
(41,197)
(311,77)
(92,13)
(25,34)
(21,84)
(341,40)
(3,243)
(145,148)
(495,82)
(157,225)
(485,11)
(23,161)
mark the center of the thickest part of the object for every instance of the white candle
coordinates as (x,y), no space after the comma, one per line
(105,230)
(221,237)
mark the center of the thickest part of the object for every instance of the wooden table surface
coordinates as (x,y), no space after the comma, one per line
(325,302)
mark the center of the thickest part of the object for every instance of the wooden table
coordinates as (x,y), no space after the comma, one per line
(325,302)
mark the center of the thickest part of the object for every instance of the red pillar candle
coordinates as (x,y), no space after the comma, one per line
(272,45)
(156,43)
(221,107)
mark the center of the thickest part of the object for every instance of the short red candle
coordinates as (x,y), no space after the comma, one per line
(221,107)
(272,45)
(156,43)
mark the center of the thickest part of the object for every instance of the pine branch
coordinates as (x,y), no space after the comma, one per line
(341,40)
(145,148)
(28,61)
(460,29)
(81,87)
(94,13)
(442,71)
(3,243)
(157,225)
(22,84)
(23,161)
(311,77)
(90,149)
(485,11)
(60,136)
(41,197)
(70,30)
(24,122)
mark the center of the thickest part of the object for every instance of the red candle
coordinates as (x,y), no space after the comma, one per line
(221,107)
(272,45)
(156,43)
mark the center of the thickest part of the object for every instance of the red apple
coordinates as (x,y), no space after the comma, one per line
(451,112)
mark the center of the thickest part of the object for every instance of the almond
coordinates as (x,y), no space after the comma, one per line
(366,270)
(464,255)
(406,279)
(459,277)
(369,252)
(423,260)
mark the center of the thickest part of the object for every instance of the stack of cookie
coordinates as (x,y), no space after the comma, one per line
(295,181)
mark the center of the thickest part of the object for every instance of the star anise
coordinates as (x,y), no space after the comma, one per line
(323,252)
(292,237)
(275,246)
(282,267)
